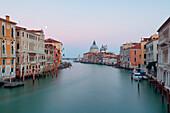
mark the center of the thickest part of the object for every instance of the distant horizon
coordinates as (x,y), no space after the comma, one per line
(77,23)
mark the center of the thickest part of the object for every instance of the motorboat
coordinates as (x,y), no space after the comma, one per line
(137,76)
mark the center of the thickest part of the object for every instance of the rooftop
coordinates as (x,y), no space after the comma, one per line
(164,24)
(50,40)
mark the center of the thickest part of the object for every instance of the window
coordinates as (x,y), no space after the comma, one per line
(12,50)
(144,46)
(27,35)
(17,33)
(157,46)
(157,57)
(3,30)
(17,45)
(144,62)
(3,70)
(18,59)
(22,34)
(3,62)
(144,56)
(3,49)
(12,69)
(12,61)
(134,59)
(135,52)
(12,32)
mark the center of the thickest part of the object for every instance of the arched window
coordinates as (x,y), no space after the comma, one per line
(3,49)
(12,32)
(3,30)
(12,50)
(17,45)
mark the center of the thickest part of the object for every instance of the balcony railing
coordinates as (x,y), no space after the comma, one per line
(4,55)
(163,41)
(13,55)
(17,50)
(33,62)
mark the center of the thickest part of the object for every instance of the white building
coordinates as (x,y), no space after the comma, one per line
(163,72)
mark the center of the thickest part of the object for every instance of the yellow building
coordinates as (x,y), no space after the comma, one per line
(7,48)
(144,41)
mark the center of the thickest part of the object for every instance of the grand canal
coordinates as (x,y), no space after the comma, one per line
(84,88)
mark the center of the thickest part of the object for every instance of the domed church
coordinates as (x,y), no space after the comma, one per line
(103,48)
(94,48)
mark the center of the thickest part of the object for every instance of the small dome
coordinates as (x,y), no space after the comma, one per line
(102,48)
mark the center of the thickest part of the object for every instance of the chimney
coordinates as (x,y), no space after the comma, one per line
(7,17)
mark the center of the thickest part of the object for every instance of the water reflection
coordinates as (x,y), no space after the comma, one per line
(84,88)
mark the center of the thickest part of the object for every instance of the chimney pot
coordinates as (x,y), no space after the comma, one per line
(7,17)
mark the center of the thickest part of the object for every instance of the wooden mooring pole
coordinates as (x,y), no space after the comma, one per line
(163,92)
(168,99)
(33,76)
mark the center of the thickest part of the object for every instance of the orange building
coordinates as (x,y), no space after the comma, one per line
(133,57)
(7,48)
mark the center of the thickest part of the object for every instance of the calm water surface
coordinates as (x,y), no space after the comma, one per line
(85,88)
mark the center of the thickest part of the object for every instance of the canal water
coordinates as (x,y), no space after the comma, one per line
(84,88)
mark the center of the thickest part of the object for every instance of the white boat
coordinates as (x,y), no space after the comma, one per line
(137,76)
(145,77)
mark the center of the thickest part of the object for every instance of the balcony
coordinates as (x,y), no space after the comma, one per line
(32,51)
(13,55)
(33,62)
(4,55)
(18,50)
(163,41)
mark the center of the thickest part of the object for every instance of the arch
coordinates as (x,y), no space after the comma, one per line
(3,49)
(3,30)
(12,32)
(12,50)
(22,70)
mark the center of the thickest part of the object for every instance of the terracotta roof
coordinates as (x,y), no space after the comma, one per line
(35,31)
(164,24)
(7,21)
(145,39)
(138,46)
(22,28)
(50,40)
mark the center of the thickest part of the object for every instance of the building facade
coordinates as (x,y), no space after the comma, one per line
(56,44)
(7,48)
(143,42)
(132,57)
(163,74)
(30,55)
(123,53)
(152,50)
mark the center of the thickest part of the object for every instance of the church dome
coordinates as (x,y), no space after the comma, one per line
(102,49)
(94,48)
